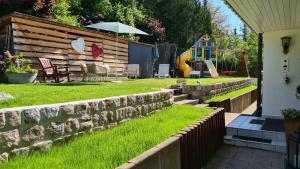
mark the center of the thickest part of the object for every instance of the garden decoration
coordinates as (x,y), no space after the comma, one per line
(97,52)
(78,45)
(5,96)
(17,69)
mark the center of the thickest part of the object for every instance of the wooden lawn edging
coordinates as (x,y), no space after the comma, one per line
(236,104)
(190,148)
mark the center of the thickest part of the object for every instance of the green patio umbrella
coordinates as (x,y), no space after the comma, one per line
(118,28)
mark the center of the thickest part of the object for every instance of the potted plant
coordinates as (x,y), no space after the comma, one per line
(291,120)
(17,69)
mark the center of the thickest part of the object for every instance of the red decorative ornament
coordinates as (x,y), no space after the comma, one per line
(97,52)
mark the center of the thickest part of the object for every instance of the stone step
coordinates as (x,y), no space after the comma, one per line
(253,143)
(201,105)
(192,102)
(177,92)
(180,97)
(245,126)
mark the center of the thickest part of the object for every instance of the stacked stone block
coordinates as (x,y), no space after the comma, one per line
(33,128)
(206,92)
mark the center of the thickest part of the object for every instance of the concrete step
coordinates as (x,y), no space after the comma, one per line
(192,102)
(274,146)
(180,97)
(247,131)
(201,105)
(177,92)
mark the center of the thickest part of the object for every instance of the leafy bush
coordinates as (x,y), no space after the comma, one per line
(62,13)
(290,113)
(15,63)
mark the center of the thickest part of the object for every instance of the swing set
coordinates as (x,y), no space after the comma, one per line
(230,63)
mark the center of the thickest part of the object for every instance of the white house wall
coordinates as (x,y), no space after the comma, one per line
(276,94)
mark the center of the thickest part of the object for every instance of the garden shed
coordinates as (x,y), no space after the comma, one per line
(141,53)
(35,37)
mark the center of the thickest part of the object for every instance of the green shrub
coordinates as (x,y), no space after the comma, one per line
(290,113)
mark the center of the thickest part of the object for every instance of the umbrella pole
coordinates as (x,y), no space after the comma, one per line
(117,41)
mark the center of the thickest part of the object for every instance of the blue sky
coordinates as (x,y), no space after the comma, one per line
(233,20)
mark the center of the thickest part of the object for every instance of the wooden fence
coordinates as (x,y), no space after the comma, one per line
(35,37)
(201,140)
(237,104)
(190,148)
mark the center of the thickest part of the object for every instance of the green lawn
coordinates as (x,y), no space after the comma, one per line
(35,94)
(231,94)
(113,147)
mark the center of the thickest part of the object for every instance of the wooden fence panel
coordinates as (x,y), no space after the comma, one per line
(237,104)
(240,103)
(35,38)
(201,140)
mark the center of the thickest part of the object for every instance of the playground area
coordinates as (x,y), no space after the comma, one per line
(205,59)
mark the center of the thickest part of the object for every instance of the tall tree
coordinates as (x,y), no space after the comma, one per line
(245,31)
(235,31)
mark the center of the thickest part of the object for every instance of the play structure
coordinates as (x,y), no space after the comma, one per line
(233,62)
(200,60)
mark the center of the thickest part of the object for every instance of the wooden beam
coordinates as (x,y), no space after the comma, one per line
(259,74)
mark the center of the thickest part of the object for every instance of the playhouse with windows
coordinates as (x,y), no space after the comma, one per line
(200,60)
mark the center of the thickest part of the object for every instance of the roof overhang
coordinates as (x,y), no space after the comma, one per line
(267,15)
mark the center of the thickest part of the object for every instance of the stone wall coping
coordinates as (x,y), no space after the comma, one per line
(235,96)
(216,84)
(3,110)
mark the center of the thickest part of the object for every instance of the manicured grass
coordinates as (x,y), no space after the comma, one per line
(35,94)
(113,147)
(231,94)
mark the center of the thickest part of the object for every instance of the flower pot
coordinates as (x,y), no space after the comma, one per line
(19,78)
(290,126)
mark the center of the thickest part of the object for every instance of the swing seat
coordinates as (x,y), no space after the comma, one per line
(230,72)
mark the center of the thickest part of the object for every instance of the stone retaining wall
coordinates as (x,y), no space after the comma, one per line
(26,129)
(206,92)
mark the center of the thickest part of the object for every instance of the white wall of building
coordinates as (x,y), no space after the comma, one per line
(276,94)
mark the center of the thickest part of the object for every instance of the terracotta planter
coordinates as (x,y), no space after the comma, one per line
(290,126)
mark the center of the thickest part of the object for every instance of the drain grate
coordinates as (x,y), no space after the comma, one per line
(273,125)
(256,121)
(261,140)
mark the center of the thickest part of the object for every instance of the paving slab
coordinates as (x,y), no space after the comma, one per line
(233,157)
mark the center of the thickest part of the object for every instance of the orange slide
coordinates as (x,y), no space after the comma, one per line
(181,62)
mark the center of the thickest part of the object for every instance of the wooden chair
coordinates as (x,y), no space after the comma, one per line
(51,71)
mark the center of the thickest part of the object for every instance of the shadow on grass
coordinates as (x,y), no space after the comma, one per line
(76,84)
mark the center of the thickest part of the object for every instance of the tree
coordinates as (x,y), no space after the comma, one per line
(235,31)
(245,31)
(63,14)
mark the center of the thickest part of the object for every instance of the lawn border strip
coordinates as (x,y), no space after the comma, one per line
(175,152)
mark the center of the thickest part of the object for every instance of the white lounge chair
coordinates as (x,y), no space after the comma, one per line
(132,70)
(163,71)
